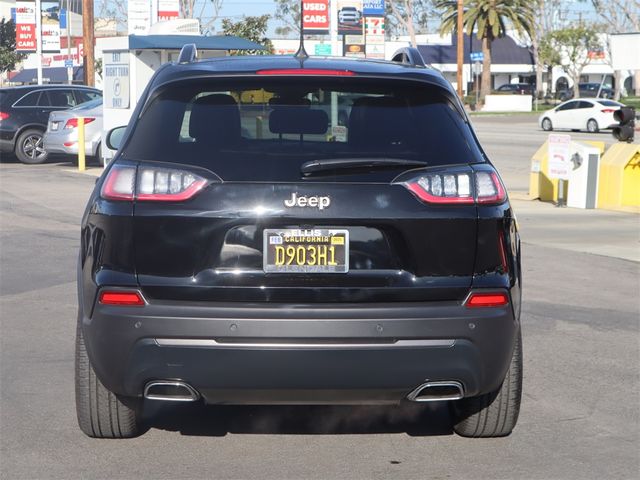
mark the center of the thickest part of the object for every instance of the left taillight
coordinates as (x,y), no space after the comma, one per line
(147,183)
(4,115)
(482,187)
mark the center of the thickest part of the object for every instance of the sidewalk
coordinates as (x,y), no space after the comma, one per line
(599,232)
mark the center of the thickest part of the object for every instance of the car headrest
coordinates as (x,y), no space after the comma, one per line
(215,119)
(298,120)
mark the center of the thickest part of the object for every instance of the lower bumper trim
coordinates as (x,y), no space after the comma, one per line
(211,343)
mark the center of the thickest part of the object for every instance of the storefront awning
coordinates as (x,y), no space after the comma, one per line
(176,42)
(49,75)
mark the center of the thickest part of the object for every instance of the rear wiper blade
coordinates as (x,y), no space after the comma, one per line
(316,166)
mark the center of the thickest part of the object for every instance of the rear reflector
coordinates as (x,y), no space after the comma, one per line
(477,300)
(306,71)
(121,298)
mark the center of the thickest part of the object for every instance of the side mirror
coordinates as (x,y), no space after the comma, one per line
(114,137)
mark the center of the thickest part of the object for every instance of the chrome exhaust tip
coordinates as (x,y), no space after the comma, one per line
(170,391)
(437,391)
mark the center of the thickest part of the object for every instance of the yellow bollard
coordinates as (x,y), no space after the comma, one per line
(81,156)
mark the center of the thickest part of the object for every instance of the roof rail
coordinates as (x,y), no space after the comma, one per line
(409,56)
(188,54)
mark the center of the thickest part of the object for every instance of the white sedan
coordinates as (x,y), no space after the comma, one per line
(587,114)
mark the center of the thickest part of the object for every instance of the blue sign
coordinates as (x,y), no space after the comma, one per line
(477,56)
(63,18)
(372,8)
(68,63)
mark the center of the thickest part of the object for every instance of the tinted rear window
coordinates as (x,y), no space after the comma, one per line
(29,100)
(264,129)
(609,103)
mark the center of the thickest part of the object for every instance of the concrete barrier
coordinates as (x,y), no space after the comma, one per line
(619,184)
(507,103)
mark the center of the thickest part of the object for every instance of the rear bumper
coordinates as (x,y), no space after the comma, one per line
(296,354)
(57,146)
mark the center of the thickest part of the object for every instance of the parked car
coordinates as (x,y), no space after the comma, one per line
(517,88)
(62,130)
(24,113)
(349,15)
(581,114)
(291,266)
(587,90)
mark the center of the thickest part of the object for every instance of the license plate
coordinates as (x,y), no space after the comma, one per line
(54,126)
(295,250)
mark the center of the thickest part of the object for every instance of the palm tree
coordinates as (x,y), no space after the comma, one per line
(491,18)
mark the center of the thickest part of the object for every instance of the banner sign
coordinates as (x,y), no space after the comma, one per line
(168,10)
(350,17)
(50,26)
(559,156)
(315,16)
(26,26)
(372,8)
(116,80)
(138,16)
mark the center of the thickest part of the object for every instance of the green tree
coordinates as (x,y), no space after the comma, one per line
(288,13)
(490,18)
(572,48)
(8,55)
(408,16)
(250,28)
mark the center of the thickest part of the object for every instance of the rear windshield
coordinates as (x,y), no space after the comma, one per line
(265,128)
(609,103)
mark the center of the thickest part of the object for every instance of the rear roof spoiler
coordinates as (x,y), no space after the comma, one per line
(188,54)
(409,56)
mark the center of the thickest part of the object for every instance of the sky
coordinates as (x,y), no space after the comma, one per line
(236,9)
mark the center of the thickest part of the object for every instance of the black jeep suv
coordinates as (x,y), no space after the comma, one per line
(243,253)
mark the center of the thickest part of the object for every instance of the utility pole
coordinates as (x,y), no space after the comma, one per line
(460,46)
(69,69)
(87,40)
(39,41)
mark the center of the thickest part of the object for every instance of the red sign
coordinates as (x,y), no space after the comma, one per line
(25,37)
(164,16)
(26,26)
(315,15)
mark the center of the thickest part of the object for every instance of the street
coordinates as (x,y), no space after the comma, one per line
(580,416)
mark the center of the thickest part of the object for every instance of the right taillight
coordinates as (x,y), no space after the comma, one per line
(482,187)
(146,183)
(4,115)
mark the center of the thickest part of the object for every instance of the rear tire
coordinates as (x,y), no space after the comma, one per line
(592,126)
(494,414)
(547,126)
(101,413)
(30,147)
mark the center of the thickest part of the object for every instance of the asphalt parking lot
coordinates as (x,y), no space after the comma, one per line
(580,416)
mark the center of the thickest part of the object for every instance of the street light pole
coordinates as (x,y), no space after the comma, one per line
(87,40)
(460,47)
(39,41)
